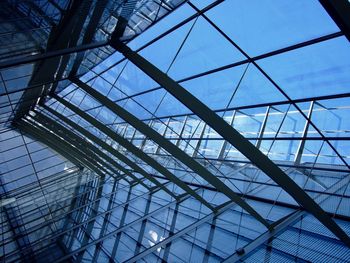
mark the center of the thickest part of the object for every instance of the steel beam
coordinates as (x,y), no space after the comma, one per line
(93,213)
(221,154)
(301,146)
(280,226)
(171,232)
(73,203)
(109,149)
(122,223)
(235,138)
(80,148)
(339,10)
(262,129)
(171,148)
(133,149)
(84,148)
(180,233)
(36,134)
(260,240)
(164,133)
(57,235)
(123,228)
(209,245)
(65,35)
(63,147)
(106,218)
(123,18)
(86,145)
(183,128)
(143,226)
(89,33)
(198,144)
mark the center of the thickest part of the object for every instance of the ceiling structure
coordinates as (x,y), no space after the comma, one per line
(175,131)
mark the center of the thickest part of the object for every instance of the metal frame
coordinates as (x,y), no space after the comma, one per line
(235,138)
(339,10)
(109,149)
(246,250)
(91,149)
(133,149)
(171,148)
(67,230)
(62,146)
(66,34)
(85,153)
(124,227)
(94,156)
(301,146)
(185,230)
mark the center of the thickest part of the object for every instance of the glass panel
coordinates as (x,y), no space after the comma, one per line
(259,27)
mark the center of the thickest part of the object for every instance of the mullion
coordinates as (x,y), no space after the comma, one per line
(276,85)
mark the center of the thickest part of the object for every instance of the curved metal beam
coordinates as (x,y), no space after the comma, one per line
(235,138)
(172,149)
(134,150)
(110,149)
(74,138)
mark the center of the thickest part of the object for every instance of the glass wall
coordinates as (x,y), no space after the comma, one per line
(109,165)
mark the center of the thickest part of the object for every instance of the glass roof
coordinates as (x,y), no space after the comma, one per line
(175,131)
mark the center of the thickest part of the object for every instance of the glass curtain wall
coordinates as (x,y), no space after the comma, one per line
(149,178)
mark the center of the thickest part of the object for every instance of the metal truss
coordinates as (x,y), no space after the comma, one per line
(109,149)
(88,148)
(62,147)
(234,138)
(84,149)
(133,149)
(171,148)
(122,228)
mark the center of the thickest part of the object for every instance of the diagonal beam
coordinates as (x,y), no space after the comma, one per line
(264,237)
(123,19)
(280,226)
(52,141)
(235,138)
(91,212)
(171,148)
(50,54)
(226,206)
(65,35)
(134,150)
(83,151)
(75,139)
(64,150)
(89,34)
(107,218)
(61,149)
(109,149)
(339,10)
(36,134)
(122,223)
(137,221)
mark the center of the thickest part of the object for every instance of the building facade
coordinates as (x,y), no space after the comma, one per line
(175,131)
